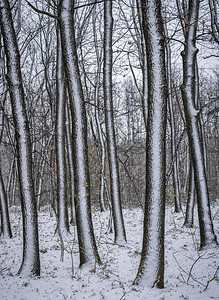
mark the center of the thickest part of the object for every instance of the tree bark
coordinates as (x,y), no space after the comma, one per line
(62,205)
(151,268)
(31,262)
(68,125)
(5,221)
(189,219)
(87,245)
(213,4)
(97,118)
(177,203)
(143,64)
(189,93)
(119,228)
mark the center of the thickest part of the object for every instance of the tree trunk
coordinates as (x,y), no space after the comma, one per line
(62,205)
(31,262)
(119,229)
(87,245)
(213,4)
(177,203)
(192,119)
(5,221)
(97,118)
(189,219)
(40,174)
(143,64)
(151,268)
(70,166)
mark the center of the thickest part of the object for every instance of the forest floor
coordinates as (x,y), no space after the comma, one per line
(189,273)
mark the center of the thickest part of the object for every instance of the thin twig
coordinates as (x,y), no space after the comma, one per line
(215,276)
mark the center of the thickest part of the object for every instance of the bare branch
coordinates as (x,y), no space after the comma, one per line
(41,11)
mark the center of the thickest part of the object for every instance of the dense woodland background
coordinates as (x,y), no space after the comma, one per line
(51,121)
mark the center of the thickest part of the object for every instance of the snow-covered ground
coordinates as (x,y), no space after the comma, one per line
(189,273)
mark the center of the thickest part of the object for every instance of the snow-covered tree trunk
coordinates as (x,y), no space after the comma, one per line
(87,245)
(102,149)
(119,228)
(61,97)
(151,268)
(12,182)
(39,181)
(40,173)
(192,119)
(31,262)
(5,221)
(172,129)
(97,117)
(189,219)
(12,174)
(70,166)
(143,64)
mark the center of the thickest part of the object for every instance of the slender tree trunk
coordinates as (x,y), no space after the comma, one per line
(97,119)
(186,168)
(178,208)
(192,119)
(151,268)
(87,245)
(31,262)
(40,182)
(15,182)
(189,219)
(119,228)
(143,65)
(213,4)
(40,173)
(62,205)
(71,166)
(12,174)
(5,221)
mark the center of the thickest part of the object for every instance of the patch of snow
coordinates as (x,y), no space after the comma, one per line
(187,270)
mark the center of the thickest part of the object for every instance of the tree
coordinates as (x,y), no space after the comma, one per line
(87,245)
(189,219)
(97,116)
(5,221)
(214,22)
(172,130)
(68,126)
(151,268)
(192,115)
(119,229)
(62,208)
(31,261)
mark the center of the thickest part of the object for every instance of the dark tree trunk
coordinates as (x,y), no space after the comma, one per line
(31,262)
(151,268)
